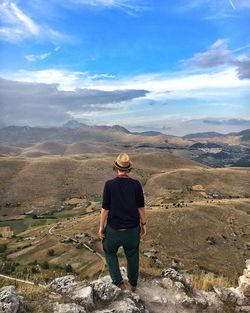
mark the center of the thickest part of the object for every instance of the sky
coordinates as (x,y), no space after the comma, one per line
(177,67)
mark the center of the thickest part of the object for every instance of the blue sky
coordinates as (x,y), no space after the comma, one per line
(172,66)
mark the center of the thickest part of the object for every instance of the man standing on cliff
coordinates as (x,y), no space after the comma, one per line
(123,207)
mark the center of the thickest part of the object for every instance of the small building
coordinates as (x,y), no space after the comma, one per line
(6,232)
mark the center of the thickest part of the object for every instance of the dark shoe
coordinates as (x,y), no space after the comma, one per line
(121,286)
(131,287)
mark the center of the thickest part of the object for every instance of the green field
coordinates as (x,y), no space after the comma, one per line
(18,226)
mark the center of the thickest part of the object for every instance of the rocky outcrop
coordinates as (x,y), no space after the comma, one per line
(10,301)
(238,298)
(63,284)
(67,308)
(101,296)
(170,293)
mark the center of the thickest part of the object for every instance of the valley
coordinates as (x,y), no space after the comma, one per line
(198,216)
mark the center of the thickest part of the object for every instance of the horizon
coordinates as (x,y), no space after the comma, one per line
(177,68)
(133,131)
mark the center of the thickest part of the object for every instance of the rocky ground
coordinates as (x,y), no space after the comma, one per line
(170,293)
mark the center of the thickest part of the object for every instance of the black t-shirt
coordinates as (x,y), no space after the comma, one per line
(122,196)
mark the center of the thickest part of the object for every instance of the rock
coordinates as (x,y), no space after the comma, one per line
(244,281)
(10,301)
(176,277)
(64,284)
(84,296)
(192,301)
(211,240)
(80,235)
(105,290)
(148,254)
(67,308)
(186,301)
(123,272)
(242,309)
(126,305)
(228,295)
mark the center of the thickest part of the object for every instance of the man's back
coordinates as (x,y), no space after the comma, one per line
(123,196)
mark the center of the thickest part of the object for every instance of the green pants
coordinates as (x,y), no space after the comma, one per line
(129,240)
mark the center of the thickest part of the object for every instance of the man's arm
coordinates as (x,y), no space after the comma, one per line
(142,214)
(104,214)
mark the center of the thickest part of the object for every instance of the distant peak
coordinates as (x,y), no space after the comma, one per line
(120,129)
(74,124)
(203,135)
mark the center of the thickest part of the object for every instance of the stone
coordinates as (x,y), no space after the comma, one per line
(67,308)
(227,295)
(244,285)
(126,305)
(105,290)
(10,301)
(64,284)
(176,277)
(84,296)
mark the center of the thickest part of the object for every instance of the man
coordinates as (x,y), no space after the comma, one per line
(123,207)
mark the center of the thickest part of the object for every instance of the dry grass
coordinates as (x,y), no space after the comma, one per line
(206,281)
(34,296)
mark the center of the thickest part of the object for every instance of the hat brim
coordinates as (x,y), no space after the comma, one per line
(129,167)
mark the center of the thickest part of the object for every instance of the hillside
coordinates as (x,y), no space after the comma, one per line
(198,216)
(44,183)
(76,138)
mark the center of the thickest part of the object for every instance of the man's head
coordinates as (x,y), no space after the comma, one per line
(122,163)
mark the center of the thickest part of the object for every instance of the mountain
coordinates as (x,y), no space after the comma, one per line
(74,124)
(149,133)
(70,132)
(203,135)
(245,135)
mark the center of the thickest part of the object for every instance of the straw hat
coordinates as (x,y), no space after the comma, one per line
(123,162)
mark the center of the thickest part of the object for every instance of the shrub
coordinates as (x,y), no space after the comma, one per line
(35,269)
(68,268)
(8,267)
(3,248)
(45,265)
(51,252)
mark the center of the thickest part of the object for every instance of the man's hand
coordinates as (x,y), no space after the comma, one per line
(101,233)
(143,231)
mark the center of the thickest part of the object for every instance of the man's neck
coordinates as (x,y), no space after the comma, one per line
(122,174)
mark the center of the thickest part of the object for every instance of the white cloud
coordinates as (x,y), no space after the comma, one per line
(17,26)
(218,54)
(33,57)
(161,86)
(42,56)
(23,19)
(131,7)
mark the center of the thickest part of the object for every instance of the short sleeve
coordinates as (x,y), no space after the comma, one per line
(106,197)
(139,196)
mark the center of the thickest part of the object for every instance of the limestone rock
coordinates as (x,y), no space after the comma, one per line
(84,296)
(176,277)
(67,308)
(244,281)
(126,305)
(244,285)
(10,301)
(228,295)
(63,284)
(105,290)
